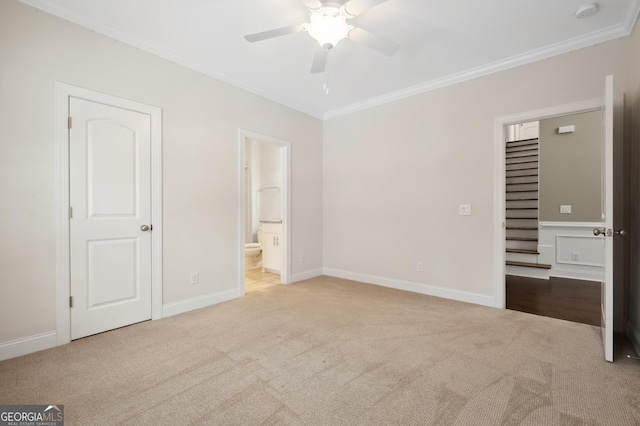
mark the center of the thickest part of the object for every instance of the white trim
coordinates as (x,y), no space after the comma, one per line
(499,176)
(610,33)
(62,93)
(182,306)
(573,262)
(429,290)
(307,275)
(571,224)
(243,136)
(597,37)
(27,345)
(634,336)
(578,275)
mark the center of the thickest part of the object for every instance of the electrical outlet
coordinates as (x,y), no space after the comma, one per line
(302,258)
(565,209)
(420,267)
(195,278)
(464,210)
(575,256)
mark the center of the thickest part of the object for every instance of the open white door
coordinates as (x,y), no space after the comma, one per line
(606,299)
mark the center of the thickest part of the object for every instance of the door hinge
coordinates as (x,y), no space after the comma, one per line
(150,227)
(70,212)
(69,122)
(71,301)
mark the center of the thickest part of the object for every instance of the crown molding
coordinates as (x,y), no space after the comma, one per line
(597,37)
(165,53)
(624,29)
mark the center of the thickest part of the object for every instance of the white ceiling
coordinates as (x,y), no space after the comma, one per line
(442,42)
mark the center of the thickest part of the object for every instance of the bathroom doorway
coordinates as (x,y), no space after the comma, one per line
(264,184)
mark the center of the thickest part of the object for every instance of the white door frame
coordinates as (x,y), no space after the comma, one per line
(499,177)
(243,136)
(63,274)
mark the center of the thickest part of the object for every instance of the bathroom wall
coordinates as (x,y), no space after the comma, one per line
(265,185)
(269,196)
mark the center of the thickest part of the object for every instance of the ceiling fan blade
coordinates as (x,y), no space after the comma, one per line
(274,33)
(375,42)
(319,60)
(356,7)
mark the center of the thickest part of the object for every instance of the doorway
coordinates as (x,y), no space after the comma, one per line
(144,288)
(264,234)
(611,181)
(554,263)
(501,131)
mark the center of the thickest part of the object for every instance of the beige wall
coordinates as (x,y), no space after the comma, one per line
(373,192)
(394,175)
(571,168)
(201,118)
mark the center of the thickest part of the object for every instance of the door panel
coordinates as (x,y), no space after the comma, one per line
(110,194)
(607,285)
(111,272)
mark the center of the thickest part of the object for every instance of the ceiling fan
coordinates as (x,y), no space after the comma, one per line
(330,22)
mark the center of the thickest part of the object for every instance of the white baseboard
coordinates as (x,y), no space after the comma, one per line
(524,271)
(187,305)
(307,275)
(577,275)
(634,336)
(429,290)
(27,345)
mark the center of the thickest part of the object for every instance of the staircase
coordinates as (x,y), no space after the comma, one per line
(522,210)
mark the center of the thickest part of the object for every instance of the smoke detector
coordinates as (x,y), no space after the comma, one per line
(587,10)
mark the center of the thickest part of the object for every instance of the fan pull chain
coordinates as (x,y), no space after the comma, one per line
(326,73)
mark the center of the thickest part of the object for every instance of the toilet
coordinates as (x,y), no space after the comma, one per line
(253,253)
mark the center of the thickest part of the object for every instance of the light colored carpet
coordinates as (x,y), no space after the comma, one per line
(332,352)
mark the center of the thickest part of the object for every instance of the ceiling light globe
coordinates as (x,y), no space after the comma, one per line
(328,30)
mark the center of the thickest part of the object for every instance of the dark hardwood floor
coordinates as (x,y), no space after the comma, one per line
(562,298)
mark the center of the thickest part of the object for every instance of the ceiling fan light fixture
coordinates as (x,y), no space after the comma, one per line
(328,29)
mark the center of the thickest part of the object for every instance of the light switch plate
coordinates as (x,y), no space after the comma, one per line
(465,210)
(566,209)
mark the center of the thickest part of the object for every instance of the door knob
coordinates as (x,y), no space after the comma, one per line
(620,232)
(597,231)
(145,228)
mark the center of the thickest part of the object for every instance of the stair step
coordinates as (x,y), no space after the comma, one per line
(518,149)
(523,183)
(524,147)
(521,208)
(522,162)
(523,251)
(523,142)
(517,176)
(522,239)
(521,169)
(528,265)
(523,228)
(522,199)
(523,217)
(522,154)
(513,191)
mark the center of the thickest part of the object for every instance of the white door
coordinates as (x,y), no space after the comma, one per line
(110,225)
(606,299)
